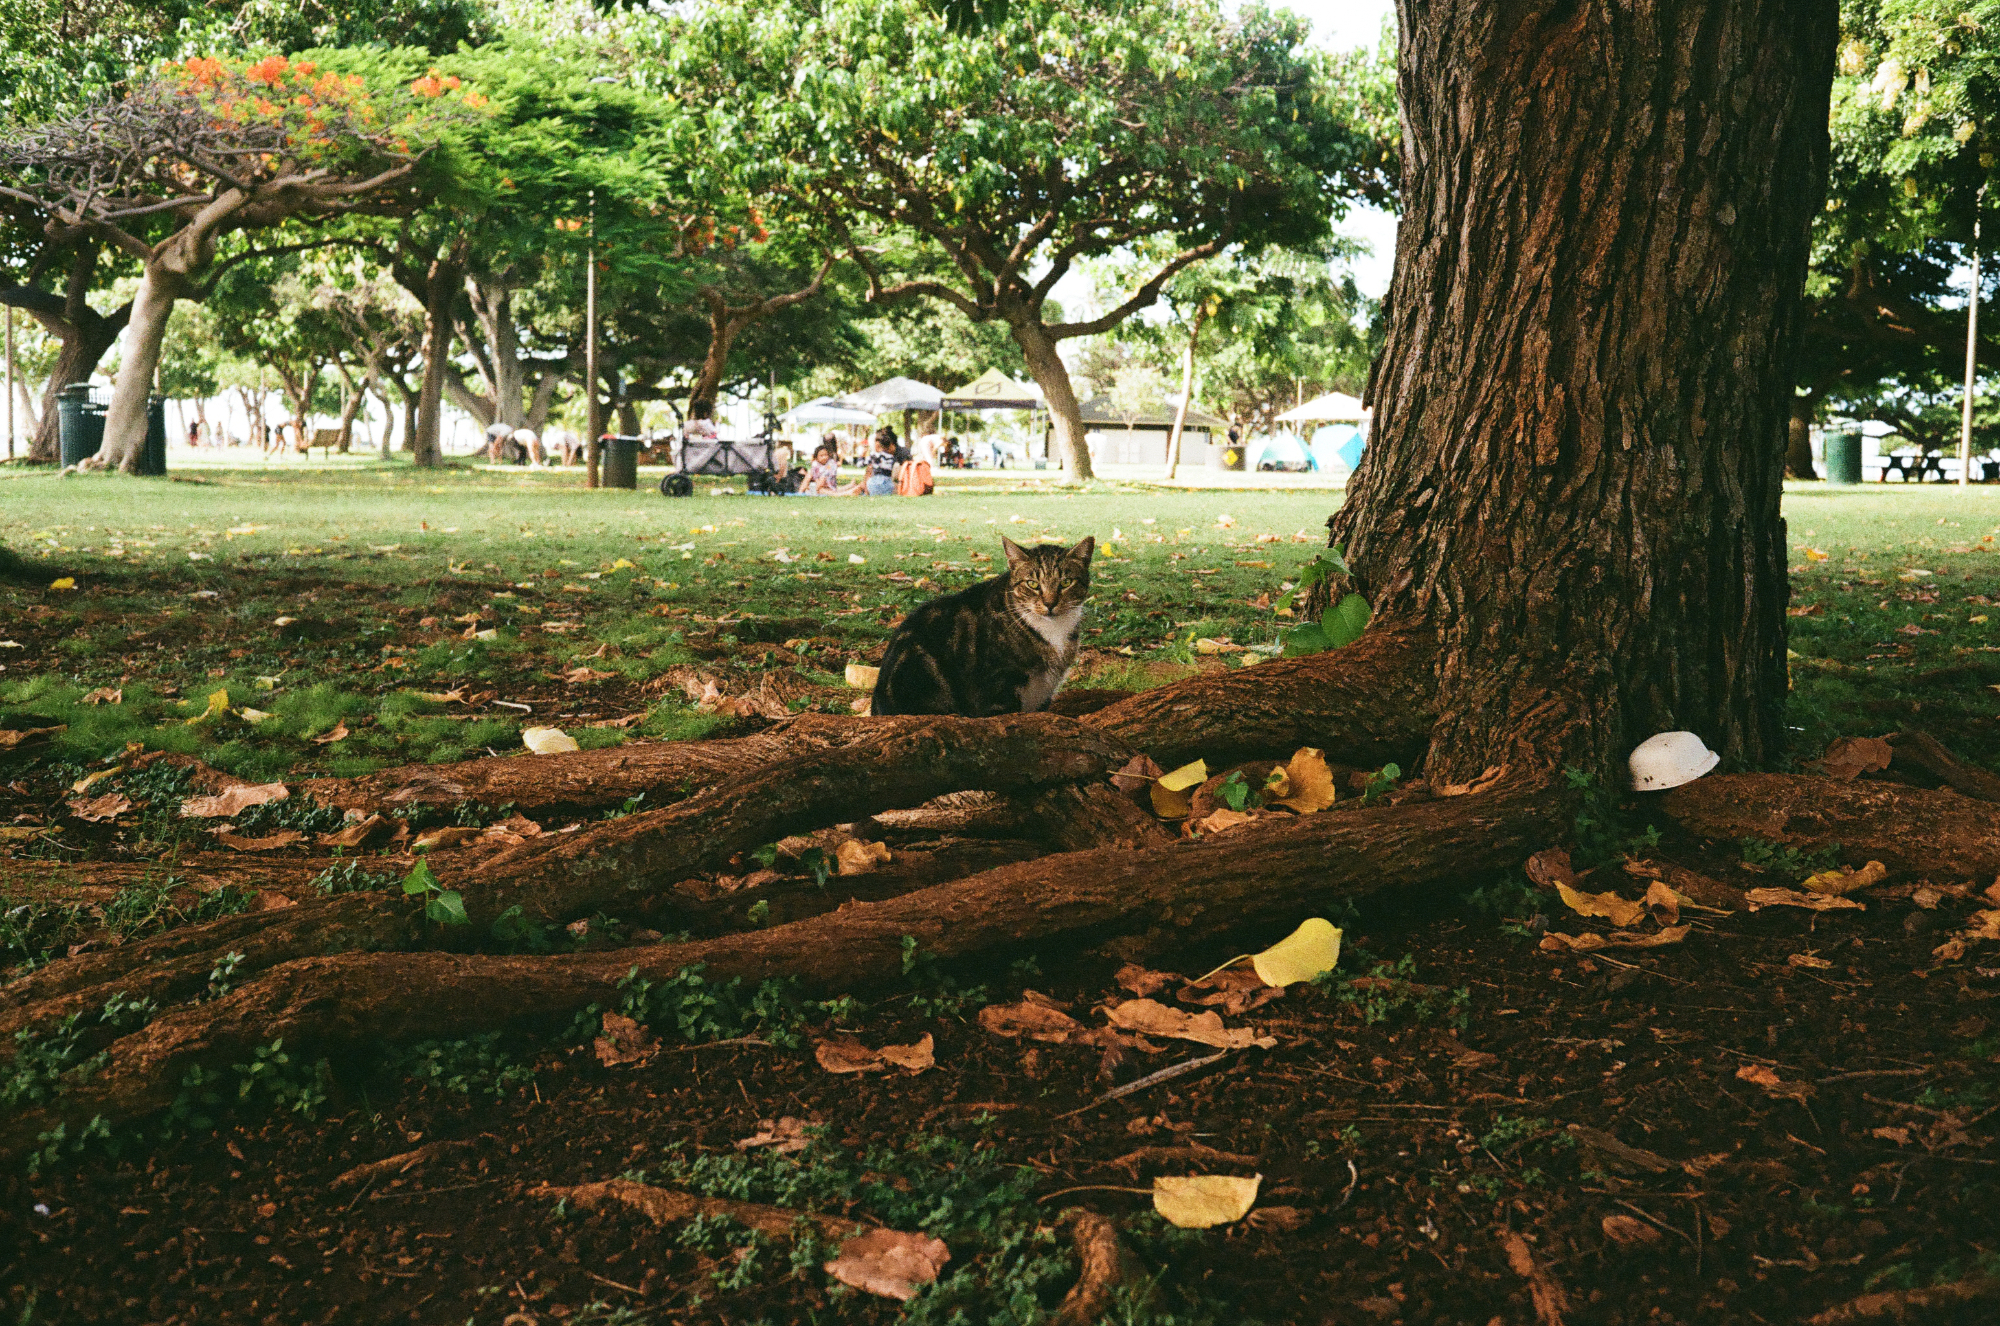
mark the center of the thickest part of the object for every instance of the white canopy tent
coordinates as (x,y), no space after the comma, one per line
(895,394)
(994,390)
(825,410)
(1335,407)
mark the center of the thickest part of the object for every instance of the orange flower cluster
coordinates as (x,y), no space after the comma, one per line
(433,85)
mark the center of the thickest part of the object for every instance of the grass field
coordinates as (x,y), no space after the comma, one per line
(400,585)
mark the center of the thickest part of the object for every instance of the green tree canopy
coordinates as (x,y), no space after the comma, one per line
(1012,148)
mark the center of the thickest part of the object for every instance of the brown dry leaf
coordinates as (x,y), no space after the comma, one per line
(233,800)
(1816,902)
(1985,925)
(105,695)
(1850,757)
(269,843)
(1590,941)
(858,858)
(1153,1018)
(446,838)
(11,739)
(1550,1301)
(1278,1219)
(1630,1231)
(1900,1136)
(1927,897)
(268,901)
(1550,867)
(1992,893)
(1807,960)
(1231,991)
(911,1058)
(1621,912)
(359,833)
(1143,981)
(339,733)
(1138,773)
(1949,951)
(1203,1201)
(1662,904)
(625,1041)
(1773,1084)
(784,1137)
(582,676)
(1218,821)
(1309,782)
(1034,1021)
(1839,883)
(889,1262)
(98,809)
(846,1054)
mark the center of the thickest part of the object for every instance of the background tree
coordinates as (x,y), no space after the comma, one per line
(1056,132)
(80,266)
(210,148)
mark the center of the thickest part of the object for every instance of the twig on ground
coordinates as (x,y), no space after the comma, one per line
(1150,1080)
(1107,1266)
(1907,1305)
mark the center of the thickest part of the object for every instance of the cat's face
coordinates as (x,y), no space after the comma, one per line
(1048,580)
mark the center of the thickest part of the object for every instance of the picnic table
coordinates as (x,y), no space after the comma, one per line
(1912,466)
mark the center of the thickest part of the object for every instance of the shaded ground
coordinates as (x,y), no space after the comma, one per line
(1595,1105)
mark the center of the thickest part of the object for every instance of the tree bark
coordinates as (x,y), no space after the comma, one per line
(1052,376)
(1187,390)
(83,333)
(1798,440)
(440,286)
(1252,878)
(1582,399)
(166,281)
(1937,834)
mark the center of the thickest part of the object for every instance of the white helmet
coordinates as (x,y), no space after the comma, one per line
(1670,759)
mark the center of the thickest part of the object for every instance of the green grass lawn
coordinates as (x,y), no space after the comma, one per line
(180,586)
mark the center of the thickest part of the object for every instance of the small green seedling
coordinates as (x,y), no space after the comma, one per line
(445,906)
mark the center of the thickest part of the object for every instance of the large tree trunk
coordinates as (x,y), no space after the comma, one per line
(723,327)
(1798,442)
(1187,391)
(1581,407)
(165,282)
(440,288)
(1052,376)
(83,333)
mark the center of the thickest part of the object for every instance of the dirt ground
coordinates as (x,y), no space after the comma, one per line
(1785,1111)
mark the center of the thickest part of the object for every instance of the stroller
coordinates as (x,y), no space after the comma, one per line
(723,458)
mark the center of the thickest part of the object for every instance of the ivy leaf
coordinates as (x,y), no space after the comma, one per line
(419,881)
(447,908)
(1344,622)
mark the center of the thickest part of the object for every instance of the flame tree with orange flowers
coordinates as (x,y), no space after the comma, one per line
(209,147)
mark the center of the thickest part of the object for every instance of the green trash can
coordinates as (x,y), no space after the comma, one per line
(1843,457)
(153,456)
(619,463)
(79,422)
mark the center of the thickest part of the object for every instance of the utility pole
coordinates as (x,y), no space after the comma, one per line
(593,417)
(1971,351)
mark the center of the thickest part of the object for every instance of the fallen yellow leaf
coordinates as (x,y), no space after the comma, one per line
(1309,783)
(1186,777)
(1203,1201)
(1838,883)
(218,704)
(67,582)
(1169,804)
(548,740)
(862,677)
(1621,912)
(1309,950)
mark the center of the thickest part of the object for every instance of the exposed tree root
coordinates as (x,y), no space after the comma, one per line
(1266,874)
(1911,830)
(903,762)
(1366,704)
(175,966)
(665,1206)
(57,881)
(1908,1305)
(706,909)
(401,1163)
(1920,750)
(1107,1266)
(1363,705)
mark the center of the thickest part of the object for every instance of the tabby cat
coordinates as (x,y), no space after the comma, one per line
(1000,647)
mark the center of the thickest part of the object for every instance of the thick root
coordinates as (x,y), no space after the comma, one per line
(1267,874)
(1912,830)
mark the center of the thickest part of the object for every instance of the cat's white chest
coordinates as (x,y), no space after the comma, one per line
(1060,632)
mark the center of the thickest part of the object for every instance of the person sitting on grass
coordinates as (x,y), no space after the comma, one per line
(885,464)
(824,477)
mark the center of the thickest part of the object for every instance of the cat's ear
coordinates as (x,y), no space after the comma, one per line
(1083,551)
(1016,554)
